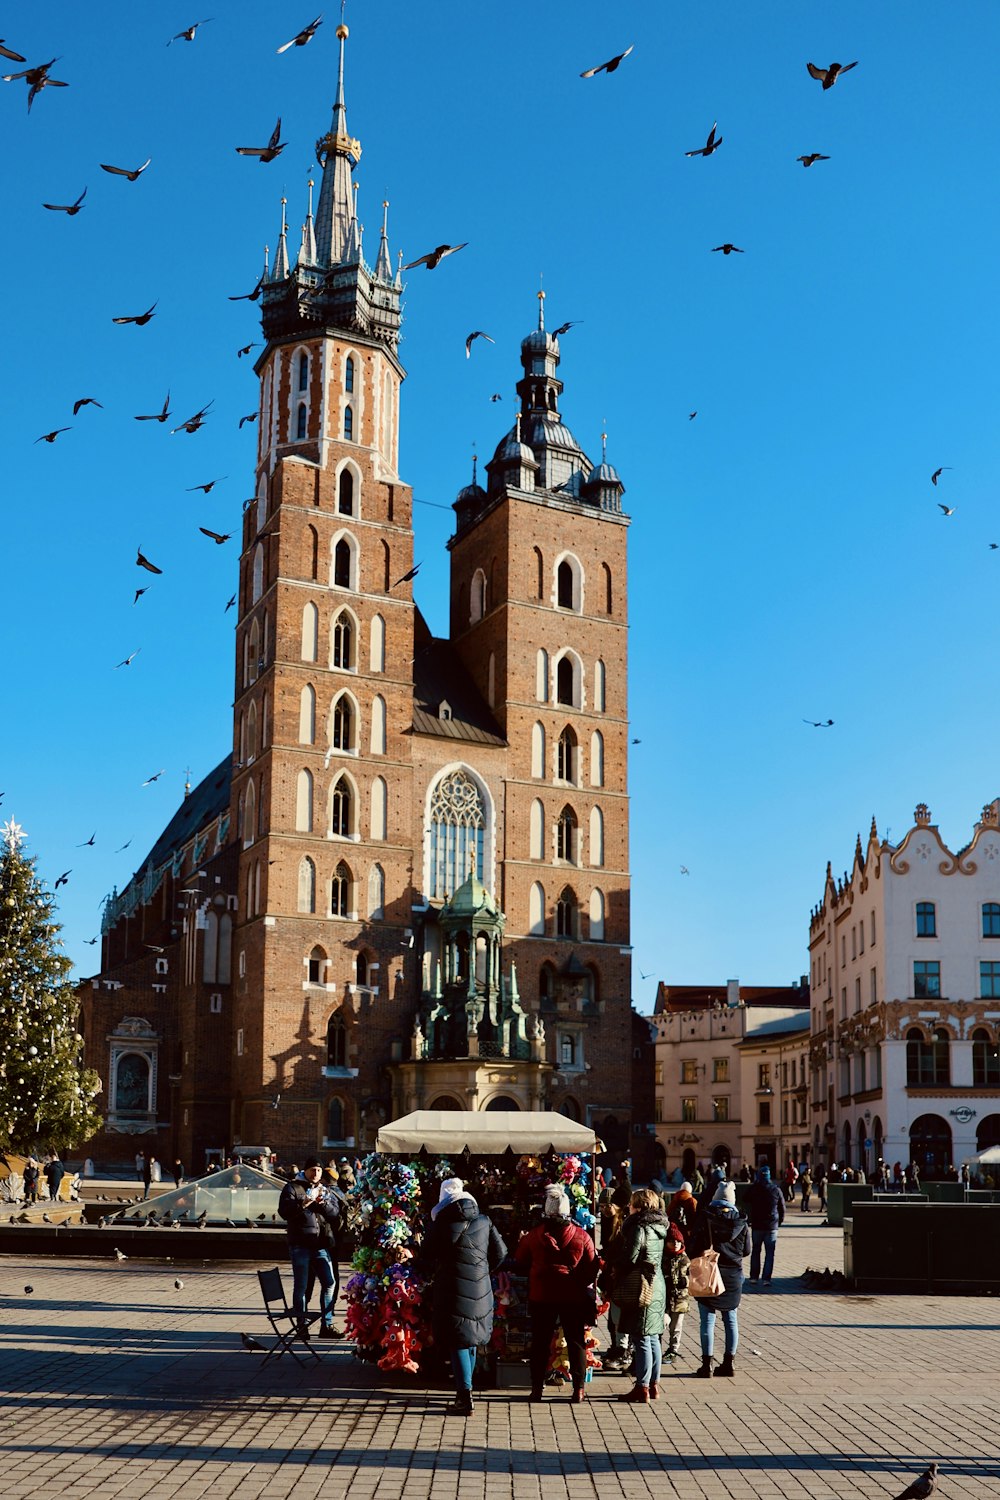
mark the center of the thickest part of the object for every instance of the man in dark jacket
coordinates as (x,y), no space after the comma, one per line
(765,1207)
(54,1174)
(561,1262)
(312,1219)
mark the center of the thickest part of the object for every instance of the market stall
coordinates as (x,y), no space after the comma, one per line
(506,1159)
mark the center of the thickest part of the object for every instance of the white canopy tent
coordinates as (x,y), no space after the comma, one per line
(485,1133)
(988,1158)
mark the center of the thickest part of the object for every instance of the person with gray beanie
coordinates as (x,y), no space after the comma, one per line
(463,1247)
(561,1263)
(720,1226)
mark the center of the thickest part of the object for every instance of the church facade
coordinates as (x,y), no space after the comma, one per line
(412,889)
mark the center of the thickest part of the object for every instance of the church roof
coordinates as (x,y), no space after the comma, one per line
(200,807)
(439,678)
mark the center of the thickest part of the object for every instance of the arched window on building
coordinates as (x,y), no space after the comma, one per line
(336,1041)
(310,631)
(340,891)
(378,809)
(312,536)
(597,916)
(249,816)
(348,424)
(253,652)
(303,372)
(300,423)
(927,1062)
(376,893)
(599,686)
(252,731)
(345,493)
(307,715)
(133,1079)
(539,574)
(342,570)
(386,567)
(307,886)
(316,966)
(341,808)
(568,680)
(349,374)
(378,725)
(536,831)
(538,750)
(985,1060)
(546,985)
(566,914)
(477,596)
(257,584)
(596,837)
(210,951)
(376,645)
(567,839)
(304,802)
(335,1121)
(564,585)
(597,758)
(536,910)
(542,675)
(458,823)
(342,642)
(343,724)
(566,756)
(608,596)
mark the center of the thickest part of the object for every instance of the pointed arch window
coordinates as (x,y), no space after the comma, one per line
(303,372)
(336,1041)
(345,493)
(341,808)
(599,686)
(597,758)
(348,424)
(536,910)
(564,681)
(335,1121)
(342,644)
(566,914)
(300,423)
(313,536)
(458,822)
(376,645)
(608,592)
(564,585)
(386,568)
(265,721)
(539,574)
(254,652)
(307,715)
(342,564)
(596,837)
(542,675)
(307,886)
(536,831)
(566,756)
(538,750)
(257,587)
(477,599)
(249,815)
(378,725)
(251,731)
(567,836)
(597,916)
(376,893)
(310,631)
(304,802)
(378,809)
(340,891)
(349,375)
(342,724)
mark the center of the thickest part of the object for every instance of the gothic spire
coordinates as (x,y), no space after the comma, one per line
(307,250)
(339,153)
(280,271)
(383,266)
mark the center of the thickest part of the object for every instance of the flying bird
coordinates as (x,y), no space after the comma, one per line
(67,208)
(268,152)
(138,595)
(938,472)
(479,334)
(407,576)
(685,870)
(187,35)
(86,401)
(88,843)
(812,158)
(5,51)
(139,321)
(637,742)
(828,76)
(129,659)
(250,296)
(565,327)
(245,350)
(63,878)
(434,257)
(609,66)
(728,249)
(692,415)
(922,1487)
(994,546)
(819,723)
(124,846)
(496,396)
(144,562)
(91,941)
(229,604)
(712,144)
(158,416)
(50,437)
(301,38)
(36,78)
(150,779)
(206,488)
(217,537)
(193,423)
(251,416)
(132,173)
(949,510)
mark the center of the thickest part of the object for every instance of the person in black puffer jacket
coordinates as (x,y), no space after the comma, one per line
(463,1247)
(720,1226)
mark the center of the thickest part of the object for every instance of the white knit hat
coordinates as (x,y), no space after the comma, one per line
(556,1203)
(452,1189)
(725,1193)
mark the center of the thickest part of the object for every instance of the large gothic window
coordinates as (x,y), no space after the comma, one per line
(458,819)
(345,493)
(566,756)
(341,809)
(343,641)
(336,1041)
(340,891)
(566,835)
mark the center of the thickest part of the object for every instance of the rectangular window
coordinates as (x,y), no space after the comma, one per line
(720,1070)
(239,1042)
(991,919)
(763,1075)
(720,1110)
(843,1004)
(764,1112)
(926,919)
(658,1073)
(784,1075)
(215,1004)
(689,1071)
(861,936)
(926,981)
(873,988)
(873,929)
(857,994)
(854,942)
(689,1111)
(989,980)
(843,949)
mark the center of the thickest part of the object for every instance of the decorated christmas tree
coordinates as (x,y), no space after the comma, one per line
(46,1096)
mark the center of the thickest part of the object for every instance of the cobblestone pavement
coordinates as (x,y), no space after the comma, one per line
(114,1384)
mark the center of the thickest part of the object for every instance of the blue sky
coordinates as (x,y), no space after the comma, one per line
(788,557)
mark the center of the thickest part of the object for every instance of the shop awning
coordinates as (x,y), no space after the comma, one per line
(484,1133)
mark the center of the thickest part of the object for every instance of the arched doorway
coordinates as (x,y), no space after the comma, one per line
(688,1162)
(570,1108)
(878,1150)
(721,1157)
(502,1101)
(613,1134)
(930,1145)
(445,1101)
(988,1133)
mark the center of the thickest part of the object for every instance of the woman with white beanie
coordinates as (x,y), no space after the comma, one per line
(720,1226)
(561,1263)
(463,1247)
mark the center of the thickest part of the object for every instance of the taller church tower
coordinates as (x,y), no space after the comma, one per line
(324,646)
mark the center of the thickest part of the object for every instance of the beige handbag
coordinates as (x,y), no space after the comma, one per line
(704,1277)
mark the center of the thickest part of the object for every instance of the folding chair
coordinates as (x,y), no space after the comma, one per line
(272,1290)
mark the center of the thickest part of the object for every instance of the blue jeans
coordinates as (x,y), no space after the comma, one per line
(463,1362)
(765,1239)
(646,1362)
(729,1323)
(309,1265)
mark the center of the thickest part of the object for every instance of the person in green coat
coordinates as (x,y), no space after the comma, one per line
(641,1290)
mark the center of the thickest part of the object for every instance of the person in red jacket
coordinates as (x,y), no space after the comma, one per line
(561,1262)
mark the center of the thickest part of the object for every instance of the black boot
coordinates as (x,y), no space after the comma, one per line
(707,1364)
(726,1368)
(461,1406)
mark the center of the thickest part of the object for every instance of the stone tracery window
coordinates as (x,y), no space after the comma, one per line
(458,820)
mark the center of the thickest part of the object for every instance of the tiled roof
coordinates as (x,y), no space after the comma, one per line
(201,806)
(439,677)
